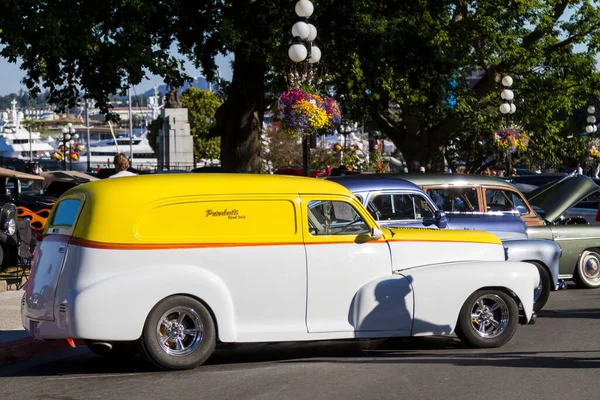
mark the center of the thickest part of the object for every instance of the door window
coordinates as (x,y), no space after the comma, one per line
(455,199)
(334,218)
(399,207)
(503,200)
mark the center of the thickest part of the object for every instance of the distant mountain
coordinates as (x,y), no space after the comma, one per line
(200,83)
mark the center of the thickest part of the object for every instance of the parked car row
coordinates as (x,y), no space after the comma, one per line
(238,258)
(397,202)
(543,211)
(31,197)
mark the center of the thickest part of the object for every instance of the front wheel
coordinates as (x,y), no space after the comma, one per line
(588,270)
(542,292)
(489,318)
(179,334)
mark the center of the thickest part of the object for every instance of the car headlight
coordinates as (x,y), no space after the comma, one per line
(10,226)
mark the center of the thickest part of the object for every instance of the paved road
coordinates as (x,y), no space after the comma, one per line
(558,358)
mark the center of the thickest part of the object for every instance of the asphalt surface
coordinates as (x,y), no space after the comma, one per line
(558,358)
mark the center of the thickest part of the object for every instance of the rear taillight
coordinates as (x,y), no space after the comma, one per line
(39,237)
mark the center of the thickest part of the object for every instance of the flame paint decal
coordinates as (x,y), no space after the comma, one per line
(38,218)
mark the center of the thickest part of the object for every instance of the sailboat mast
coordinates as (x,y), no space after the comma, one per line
(130,130)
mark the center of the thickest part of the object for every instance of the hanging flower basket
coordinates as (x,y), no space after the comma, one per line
(511,138)
(301,113)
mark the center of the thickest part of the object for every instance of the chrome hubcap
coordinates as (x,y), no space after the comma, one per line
(180,331)
(489,316)
(591,267)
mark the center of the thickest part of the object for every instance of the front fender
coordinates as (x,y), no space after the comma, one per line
(545,251)
(116,308)
(441,290)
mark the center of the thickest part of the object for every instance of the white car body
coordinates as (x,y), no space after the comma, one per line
(274,285)
(298,292)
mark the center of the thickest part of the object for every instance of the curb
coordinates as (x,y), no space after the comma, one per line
(12,284)
(22,349)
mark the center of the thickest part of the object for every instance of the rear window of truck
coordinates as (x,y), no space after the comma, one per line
(66,212)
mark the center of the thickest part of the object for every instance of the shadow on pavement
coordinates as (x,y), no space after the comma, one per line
(82,362)
(12,334)
(442,350)
(590,313)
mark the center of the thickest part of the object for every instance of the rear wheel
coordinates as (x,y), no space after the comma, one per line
(542,292)
(588,270)
(488,318)
(179,334)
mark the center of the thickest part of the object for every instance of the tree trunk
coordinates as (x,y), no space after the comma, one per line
(425,148)
(240,117)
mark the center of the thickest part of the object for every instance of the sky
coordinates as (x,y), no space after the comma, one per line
(11,75)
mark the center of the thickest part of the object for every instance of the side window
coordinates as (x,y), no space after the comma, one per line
(334,218)
(66,212)
(399,207)
(393,206)
(422,208)
(503,200)
(455,199)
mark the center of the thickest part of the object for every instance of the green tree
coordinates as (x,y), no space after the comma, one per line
(100,48)
(404,64)
(202,106)
(407,64)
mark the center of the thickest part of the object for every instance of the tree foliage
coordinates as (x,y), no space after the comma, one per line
(404,64)
(407,64)
(202,107)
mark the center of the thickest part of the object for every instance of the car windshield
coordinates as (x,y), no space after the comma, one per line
(27,186)
(455,199)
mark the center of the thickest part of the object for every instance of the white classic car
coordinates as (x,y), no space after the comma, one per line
(239,258)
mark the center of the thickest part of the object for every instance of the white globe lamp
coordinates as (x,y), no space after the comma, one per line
(297,52)
(507,81)
(315,55)
(301,30)
(507,94)
(304,8)
(312,32)
(504,108)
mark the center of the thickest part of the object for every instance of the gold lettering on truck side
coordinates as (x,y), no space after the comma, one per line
(230,214)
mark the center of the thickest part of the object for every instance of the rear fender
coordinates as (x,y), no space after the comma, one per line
(116,308)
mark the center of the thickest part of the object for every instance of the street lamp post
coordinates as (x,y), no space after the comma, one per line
(591,120)
(68,133)
(507,108)
(303,50)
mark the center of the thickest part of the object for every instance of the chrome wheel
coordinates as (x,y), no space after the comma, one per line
(179,331)
(490,316)
(590,266)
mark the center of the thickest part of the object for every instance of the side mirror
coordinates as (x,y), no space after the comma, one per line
(376,233)
(442,220)
(521,210)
